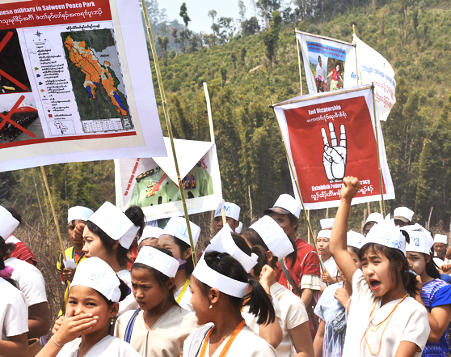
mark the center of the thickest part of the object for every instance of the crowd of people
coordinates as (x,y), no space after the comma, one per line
(135,290)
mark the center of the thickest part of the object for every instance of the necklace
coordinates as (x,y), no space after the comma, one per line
(389,316)
(227,345)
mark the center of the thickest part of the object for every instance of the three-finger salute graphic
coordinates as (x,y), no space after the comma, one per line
(334,157)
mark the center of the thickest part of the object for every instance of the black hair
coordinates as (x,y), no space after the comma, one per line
(161,278)
(258,301)
(431,268)
(14,213)
(189,267)
(6,249)
(241,243)
(136,215)
(125,291)
(339,65)
(394,255)
(262,259)
(319,57)
(354,249)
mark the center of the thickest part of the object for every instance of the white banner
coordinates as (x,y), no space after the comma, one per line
(151,183)
(75,83)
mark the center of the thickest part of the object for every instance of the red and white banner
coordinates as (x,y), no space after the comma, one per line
(329,137)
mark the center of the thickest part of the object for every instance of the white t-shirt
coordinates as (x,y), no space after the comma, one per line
(184,302)
(409,323)
(247,343)
(319,71)
(13,311)
(29,280)
(109,346)
(293,314)
(251,320)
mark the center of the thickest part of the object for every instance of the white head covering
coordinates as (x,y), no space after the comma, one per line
(324,234)
(274,237)
(239,228)
(355,239)
(150,232)
(177,227)
(441,238)
(158,260)
(223,283)
(223,243)
(327,223)
(374,217)
(7,223)
(420,239)
(404,214)
(387,234)
(231,210)
(79,212)
(285,204)
(115,224)
(97,274)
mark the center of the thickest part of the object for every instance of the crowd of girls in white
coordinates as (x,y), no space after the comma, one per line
(381,294)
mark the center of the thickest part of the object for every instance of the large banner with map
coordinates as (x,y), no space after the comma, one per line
(151,183)
(75,83)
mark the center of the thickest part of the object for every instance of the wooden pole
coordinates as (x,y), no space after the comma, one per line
(355,53)
(308,232)
(169,127)
(299,62)
(224,219)
(210,117)
(54,213)
(382,203)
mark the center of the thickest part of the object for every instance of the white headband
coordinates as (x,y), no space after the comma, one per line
(239,228)
(420,239)
(441,238)
(230,209)
(355,239)
(223,243)
(324,234)
(150,232)
(288,203)
(158,260)
(7,223)
(327,223)
(98,275)
(115,224)
(177,227)
(387,234)
(223,283)
(79,212)
(273,236)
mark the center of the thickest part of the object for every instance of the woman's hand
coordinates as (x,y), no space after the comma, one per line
(351,186)
(326,278)
(267,277)
(342,295)
(72,327)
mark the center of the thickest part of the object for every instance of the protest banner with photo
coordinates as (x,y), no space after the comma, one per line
(330,136)
(325,62)
(75,83)
(151,183)
(373,68)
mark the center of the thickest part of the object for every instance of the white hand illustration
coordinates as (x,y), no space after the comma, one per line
(334,157)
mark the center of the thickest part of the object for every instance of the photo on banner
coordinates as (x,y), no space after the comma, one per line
(332,136)
(75,83)
(151,183)
(325,62)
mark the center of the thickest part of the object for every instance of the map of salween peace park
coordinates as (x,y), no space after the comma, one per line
(96,75)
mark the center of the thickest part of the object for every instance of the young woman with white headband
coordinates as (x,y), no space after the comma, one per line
(269,241)
(435,293)
(92,304)
(159,326)
(383,319)
(218,286)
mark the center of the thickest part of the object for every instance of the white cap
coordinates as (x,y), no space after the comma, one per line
(274,237)
(324,234)
(223,283)
(79,212)
(97,274)
(231,210)
(150,232)
(355,239)
(7,223)
(239,228)
(115,224)
(404,214)
(441,238)
(177,227)
(327,223)
(374,217)
(387,234)
(223,243)
(285,204)
(420,239)
(158,260)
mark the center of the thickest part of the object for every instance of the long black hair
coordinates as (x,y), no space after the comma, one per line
(258,301)
(6,249)
(431,268)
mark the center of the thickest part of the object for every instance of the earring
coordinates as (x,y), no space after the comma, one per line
(211,306)
(112,322)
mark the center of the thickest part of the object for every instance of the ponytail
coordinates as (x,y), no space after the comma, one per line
(432,269)
(259,304)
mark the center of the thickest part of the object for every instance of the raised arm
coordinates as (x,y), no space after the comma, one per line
(338,238)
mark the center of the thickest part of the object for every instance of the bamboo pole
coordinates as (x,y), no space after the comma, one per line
(224,219)
(355,52)
(54,213)
(210,116)
(169,127)
(308,232)
(382,203)
(299,63)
